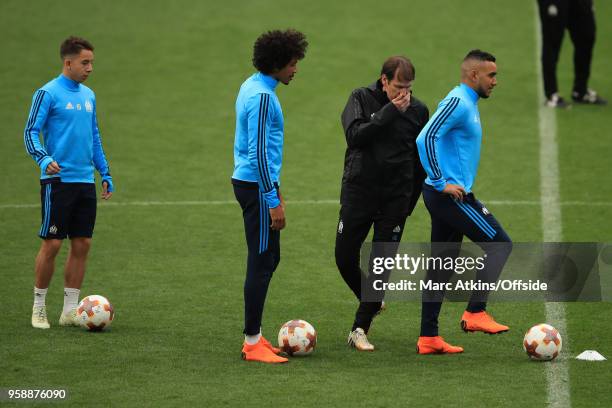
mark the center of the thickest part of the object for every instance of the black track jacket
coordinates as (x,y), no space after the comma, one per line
(381,165)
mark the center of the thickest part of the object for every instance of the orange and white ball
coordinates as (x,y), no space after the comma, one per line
(297,338)
(542,342)
(95,313)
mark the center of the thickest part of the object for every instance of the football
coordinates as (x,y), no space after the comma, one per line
(297,338)
(95,313)
(542,342)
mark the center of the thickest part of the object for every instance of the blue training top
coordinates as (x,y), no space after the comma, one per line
(449,144)
(65,112)
(258,144)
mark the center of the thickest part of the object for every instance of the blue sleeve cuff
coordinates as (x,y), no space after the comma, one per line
(45,163)
(439,184)
(271,198)
(109,180)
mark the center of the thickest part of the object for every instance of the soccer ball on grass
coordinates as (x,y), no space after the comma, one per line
(542,342)
(297,338)
(95,313)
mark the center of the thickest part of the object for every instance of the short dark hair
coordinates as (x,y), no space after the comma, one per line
(73,46)
(273,50)
(400,64)
(479,55)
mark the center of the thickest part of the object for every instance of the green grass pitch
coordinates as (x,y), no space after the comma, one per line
(166,77)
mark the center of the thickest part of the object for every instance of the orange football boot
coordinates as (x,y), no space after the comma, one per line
(269,345)
(260,352)
(481,321)
(436,345)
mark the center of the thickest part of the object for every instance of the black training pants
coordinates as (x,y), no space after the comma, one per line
(353,228)
(451,220)
(263,245)
(578,17)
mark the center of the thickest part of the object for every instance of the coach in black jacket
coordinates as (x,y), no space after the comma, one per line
(382,175)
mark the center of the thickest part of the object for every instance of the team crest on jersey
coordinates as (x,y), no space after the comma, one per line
(485,211)
(88,106)
(78,106)
(69,106)
(340,227)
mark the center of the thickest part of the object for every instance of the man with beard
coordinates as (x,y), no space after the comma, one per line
(449,148)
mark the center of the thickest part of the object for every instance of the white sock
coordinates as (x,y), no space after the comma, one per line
(71,299)
(39,296)
(250,340)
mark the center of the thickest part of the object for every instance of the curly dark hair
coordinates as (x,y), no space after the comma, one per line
(273,50)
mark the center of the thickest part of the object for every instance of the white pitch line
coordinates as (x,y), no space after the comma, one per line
(557,372)
(303,202)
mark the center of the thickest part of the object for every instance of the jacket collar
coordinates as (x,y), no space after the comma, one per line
(267,79)
(68,83)
(378,92)
(470,92)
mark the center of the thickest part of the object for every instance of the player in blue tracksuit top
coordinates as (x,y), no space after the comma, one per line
(64,112)
(449,149)
(258,147)
(258,156)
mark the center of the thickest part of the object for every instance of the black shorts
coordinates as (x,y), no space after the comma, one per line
(68,209)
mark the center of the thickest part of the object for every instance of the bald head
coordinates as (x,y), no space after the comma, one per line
(479,71)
